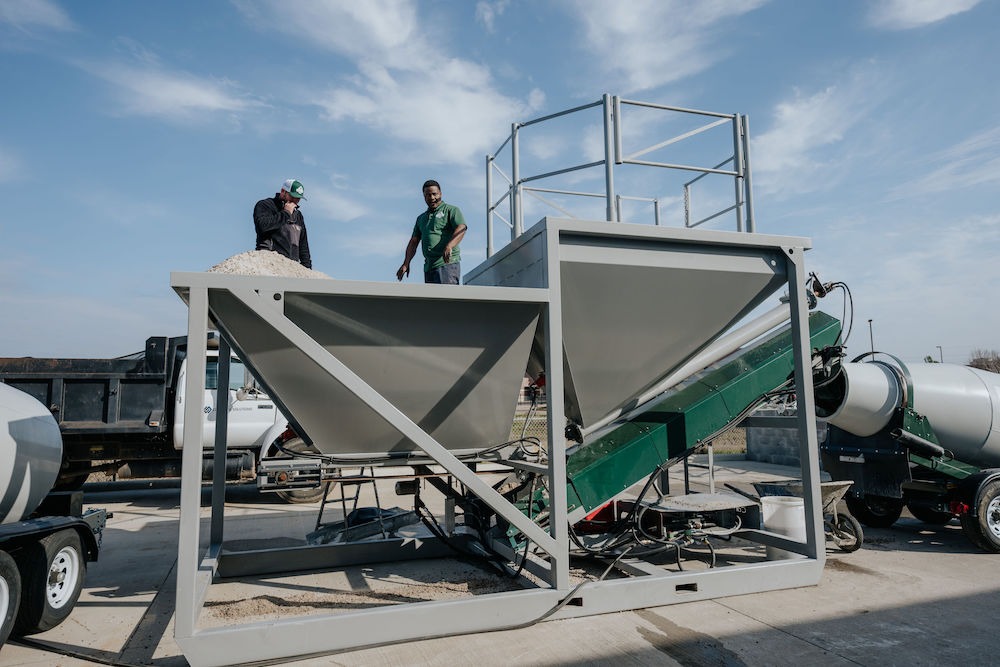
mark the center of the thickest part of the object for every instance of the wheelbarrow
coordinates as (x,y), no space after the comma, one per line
(841,528)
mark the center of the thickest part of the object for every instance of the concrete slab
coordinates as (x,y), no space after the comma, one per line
(913,595)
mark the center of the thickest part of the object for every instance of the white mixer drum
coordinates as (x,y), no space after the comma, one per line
(30,453)
(962,404)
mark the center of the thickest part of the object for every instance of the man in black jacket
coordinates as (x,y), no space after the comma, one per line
(280,225)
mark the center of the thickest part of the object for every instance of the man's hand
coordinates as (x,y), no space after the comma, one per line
(289,207)
(446,255)
(404,270)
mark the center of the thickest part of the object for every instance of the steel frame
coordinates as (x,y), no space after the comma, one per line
(251,642)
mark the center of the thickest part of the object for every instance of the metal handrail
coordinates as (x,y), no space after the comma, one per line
(517,184)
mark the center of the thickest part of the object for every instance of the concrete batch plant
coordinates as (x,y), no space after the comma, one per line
(639,331)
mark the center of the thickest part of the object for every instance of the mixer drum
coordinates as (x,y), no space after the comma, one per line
(30,453)
(962,404)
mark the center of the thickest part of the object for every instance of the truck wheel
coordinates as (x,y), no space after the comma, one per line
(301,496)
(929,514)
(72,478)
(52,575)
(875,511)
(10,595)
(983,530)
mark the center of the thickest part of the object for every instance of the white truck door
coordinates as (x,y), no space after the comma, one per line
(251,413)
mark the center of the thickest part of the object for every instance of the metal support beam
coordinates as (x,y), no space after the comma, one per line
(191,585)
(554,391)
(611,129)
(806,413)
(489,205)
(221,440)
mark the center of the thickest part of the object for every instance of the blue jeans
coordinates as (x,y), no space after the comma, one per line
(448,274)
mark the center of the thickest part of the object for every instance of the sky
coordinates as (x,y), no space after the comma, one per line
(137,136)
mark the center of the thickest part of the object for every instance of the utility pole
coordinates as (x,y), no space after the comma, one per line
(871,337)
(940,354)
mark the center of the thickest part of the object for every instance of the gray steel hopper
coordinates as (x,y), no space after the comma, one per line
(450,358)
(636,301)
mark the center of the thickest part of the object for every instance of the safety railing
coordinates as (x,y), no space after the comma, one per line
(515,185)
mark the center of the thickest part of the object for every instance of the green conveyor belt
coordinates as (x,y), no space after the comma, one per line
(685,416)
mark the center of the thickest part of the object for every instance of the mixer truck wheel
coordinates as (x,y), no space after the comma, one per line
(52,572)
(301,496)
(929,515)
(875,511)
(10,595)
(983,530)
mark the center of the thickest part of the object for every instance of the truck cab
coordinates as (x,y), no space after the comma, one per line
(253,418)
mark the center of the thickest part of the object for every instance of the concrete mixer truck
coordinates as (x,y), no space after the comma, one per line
(921,436)
(46,539)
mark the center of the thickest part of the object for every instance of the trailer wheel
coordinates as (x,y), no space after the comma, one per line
(983,530)
(929,515)
(301,496)
(875,511)
(10,595)
(52,573)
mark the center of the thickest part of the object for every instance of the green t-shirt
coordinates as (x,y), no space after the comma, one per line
(434,229)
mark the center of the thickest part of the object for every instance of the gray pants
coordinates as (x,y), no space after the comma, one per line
(447,274)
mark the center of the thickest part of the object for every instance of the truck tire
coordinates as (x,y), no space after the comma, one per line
(73,478)
(875,511)
(929,515)
(302,496)
(52,572)
(10,595)
(983,530)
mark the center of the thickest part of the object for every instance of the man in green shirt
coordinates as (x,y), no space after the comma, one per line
(438,231)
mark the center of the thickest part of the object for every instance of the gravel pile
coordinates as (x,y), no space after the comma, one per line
(265,263)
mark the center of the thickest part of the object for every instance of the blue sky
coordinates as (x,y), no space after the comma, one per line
(137,137)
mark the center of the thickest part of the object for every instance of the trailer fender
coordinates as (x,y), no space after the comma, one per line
(970,490)
(90,528)
(270,436)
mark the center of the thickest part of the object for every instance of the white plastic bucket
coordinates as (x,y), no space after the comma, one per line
(785,515)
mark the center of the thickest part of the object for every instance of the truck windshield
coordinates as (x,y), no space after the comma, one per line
(236,374)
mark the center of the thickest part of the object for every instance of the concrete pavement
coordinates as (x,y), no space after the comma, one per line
(913,595)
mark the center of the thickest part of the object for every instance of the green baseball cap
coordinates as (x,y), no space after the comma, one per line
(294,188)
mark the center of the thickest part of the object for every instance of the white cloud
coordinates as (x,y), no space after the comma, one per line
(153,91)
(488,12)
(643,44)
(333,205)
(393,91)
(10,166)
(363,243)
(975,161)
(907,14)
(950,276)
(26,14)
(807,129)
(384,31)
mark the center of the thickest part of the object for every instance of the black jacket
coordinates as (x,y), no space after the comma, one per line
(281,232)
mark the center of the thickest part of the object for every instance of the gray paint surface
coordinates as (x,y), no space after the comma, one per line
(637,301)
(453,366)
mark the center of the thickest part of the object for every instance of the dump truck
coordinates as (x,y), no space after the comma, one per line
(46,538)
(921,436)
(125,415)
